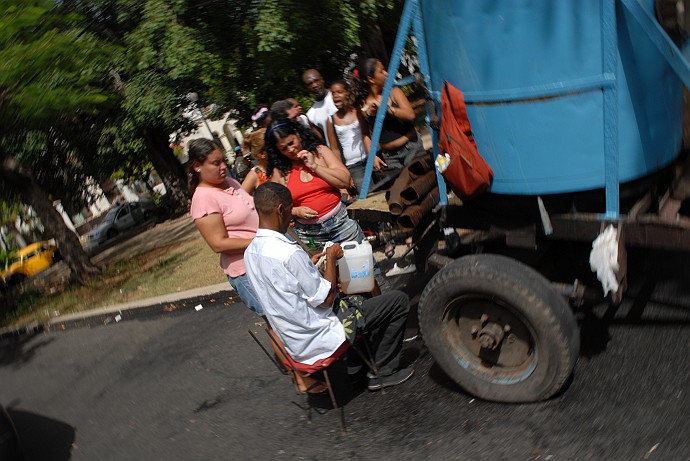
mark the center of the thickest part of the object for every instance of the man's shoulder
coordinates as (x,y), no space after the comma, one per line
(315,107)
(272,246)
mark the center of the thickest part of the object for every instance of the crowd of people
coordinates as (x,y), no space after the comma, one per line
(341,118)
(304,168)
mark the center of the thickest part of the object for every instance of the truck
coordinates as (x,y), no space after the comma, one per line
(577,107)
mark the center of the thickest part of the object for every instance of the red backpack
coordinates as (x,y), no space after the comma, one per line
(467,174)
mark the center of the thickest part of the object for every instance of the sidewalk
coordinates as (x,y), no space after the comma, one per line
(129,310)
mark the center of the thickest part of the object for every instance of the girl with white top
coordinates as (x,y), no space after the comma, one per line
(348,129)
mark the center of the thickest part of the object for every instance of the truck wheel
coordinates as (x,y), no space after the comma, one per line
(498,329)
(112,233)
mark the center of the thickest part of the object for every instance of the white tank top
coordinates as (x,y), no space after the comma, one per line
(350,137)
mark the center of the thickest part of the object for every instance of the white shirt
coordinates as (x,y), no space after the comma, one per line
(304,121)
(350,137)
(320,112)
(292,293)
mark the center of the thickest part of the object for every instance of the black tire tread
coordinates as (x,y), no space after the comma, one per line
(516,277)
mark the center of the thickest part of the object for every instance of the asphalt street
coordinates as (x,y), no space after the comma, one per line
(176,383)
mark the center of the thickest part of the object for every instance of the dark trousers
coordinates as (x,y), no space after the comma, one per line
(385,317)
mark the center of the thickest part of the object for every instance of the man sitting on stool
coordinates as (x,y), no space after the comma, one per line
(298,301)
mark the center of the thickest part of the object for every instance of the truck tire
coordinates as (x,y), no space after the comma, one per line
(498,329)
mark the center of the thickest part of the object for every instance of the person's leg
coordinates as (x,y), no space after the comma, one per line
(244,289)
(410,150)
(385,318)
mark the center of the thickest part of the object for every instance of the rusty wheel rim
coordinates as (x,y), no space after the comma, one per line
(490,338)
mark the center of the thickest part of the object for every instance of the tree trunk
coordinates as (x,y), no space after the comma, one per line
(169,169)
(373,44)
(22,179)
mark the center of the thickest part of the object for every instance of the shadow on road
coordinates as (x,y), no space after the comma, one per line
(42,438)
(13,351)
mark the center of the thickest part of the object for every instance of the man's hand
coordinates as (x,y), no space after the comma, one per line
(315,258)
(378,163)
(334,252)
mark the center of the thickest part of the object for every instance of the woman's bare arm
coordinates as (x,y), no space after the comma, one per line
(213,230)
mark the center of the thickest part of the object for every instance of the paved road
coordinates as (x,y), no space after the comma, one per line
(179,384)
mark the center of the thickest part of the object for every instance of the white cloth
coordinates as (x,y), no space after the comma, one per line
(304,121)
(320,112)
(604,259)
(292,293)
(350,137)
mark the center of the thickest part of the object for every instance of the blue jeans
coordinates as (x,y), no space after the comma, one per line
(244,289)
(338,229)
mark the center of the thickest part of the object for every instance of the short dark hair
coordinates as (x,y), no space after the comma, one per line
(269,195)
(279,109)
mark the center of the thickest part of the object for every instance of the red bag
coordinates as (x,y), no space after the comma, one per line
(467,174)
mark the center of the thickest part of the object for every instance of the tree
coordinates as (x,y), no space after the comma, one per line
(234,54)
(21,178)
(49,74)
(266,45)
(161,60)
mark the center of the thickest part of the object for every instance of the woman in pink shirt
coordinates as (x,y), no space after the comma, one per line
(224,214)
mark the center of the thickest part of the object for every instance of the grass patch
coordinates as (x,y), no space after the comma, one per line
(165,270)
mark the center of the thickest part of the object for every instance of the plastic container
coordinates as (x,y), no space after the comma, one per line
(356,268)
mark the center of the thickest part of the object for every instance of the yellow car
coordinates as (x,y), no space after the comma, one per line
(30,260)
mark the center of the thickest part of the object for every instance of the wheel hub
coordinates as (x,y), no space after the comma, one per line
(491,336)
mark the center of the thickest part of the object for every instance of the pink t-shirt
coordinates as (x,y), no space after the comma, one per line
(239,215)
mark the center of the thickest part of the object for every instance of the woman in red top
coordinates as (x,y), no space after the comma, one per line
(314,175)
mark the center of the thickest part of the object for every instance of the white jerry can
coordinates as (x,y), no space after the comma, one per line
(356,268)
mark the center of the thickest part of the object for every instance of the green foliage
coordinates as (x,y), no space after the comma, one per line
(372,9)
(272,27)
(51,74)
(5,257)
(48,71)
(84,81)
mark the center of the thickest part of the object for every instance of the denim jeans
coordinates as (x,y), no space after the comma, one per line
(397,159)
(244,289)
(338,229)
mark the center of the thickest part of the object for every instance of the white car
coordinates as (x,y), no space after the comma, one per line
(121,218)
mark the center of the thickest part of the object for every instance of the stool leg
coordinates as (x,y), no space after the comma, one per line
(367,357)
(335,403)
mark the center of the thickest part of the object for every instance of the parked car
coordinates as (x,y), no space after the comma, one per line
(121,218)
(29,261)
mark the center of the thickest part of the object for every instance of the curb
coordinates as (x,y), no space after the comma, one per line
(124,309)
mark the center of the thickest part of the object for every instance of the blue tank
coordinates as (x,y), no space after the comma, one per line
(533,74)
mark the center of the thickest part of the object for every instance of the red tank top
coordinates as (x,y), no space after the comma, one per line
(316,194)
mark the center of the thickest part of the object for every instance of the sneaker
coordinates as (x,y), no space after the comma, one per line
(399,377)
